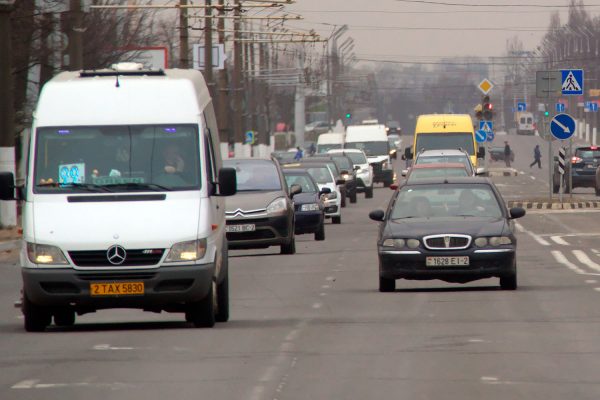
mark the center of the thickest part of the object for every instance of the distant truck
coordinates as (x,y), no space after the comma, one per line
(524,123)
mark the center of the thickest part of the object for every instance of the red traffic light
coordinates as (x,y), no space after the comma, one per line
(488,106)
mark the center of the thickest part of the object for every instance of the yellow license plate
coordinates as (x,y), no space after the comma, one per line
(116,288)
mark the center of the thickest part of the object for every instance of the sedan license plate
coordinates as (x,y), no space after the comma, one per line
(240,228)
(447,261)
(116,288)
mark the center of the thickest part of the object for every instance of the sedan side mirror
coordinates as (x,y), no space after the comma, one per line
(295,189)
(377,215)
(517,212)
(323,191)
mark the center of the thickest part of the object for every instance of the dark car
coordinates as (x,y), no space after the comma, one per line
(261,213)
(393,127)
(453,229)
(582,167)
(348,173)
(308,205)
(497,154)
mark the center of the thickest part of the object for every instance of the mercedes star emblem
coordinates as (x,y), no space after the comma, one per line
(116,255)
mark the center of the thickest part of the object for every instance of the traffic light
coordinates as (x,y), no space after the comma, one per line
(546,113)
(348,115)
(488,109)
(478,112)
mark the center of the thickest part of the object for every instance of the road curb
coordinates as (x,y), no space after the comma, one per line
(554,206)
(502,172)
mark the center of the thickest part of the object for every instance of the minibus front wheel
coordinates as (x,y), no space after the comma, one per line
(36,318)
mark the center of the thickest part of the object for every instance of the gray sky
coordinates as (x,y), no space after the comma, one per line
(370,22)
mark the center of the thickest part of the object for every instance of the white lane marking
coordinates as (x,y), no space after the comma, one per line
(26,384)
(559,240)
(591,281)
(325,287)
(595,251)
(489,379)
(330,278)
(560,258)
(316,306)
(535,237)
(597,289)
(584,259)
(476,340)
(322,294)
(109,347)
(532,177)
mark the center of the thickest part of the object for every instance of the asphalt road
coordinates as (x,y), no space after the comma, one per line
(314,326)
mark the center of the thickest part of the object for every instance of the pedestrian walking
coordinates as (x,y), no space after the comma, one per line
(537,157)
(299,154)
(507,154)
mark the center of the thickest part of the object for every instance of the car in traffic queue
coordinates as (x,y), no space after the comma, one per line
(497,154)
(309,206)
(325,179)
(453,229)
(348,173)
(372,139)
(582,167)
(348,188)
(261,213)
(364,172)
(393,128)
(447,156)
(437,170)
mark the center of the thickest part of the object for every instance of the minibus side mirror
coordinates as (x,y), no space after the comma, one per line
(227,182)
(7,186)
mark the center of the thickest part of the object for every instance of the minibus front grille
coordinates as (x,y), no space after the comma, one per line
(133,258)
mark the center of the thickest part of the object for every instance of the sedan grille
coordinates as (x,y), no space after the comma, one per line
(447,242)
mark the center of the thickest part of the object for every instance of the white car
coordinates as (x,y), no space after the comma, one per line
(364,173)
(332,201)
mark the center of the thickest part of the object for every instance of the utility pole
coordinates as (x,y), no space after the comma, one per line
(76,36)
(223,93)
(208,59)
(237,116)
(184,61)
(8,209)
(299,104)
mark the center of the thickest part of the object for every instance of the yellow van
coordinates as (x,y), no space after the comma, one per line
(446,131)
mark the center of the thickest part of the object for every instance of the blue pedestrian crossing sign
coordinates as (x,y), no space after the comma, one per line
(572,81)
(481,136)
(591,106)
(487,126)
(249,137)
(521,106)
(560,107)
(490,136)
(562,126)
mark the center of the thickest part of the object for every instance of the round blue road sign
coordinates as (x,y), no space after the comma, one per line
(481,136)
(490,136)
(562,126)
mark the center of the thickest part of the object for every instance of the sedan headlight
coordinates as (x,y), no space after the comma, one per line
(45,254)
(310,207)
(501,240)
(481,242)
(187,251)
(412,243)
(277,206)
(394,243)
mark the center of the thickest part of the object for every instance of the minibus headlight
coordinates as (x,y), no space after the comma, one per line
(187,251)
(45,254)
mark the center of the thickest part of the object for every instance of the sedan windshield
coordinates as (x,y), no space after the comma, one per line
(321,175)
(117,158)
(462,159)
(370,148)
(343,163)
(304,181)
(441,141)
(451,200)
(255,175)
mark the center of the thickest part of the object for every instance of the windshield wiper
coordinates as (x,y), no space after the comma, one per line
(91,187)
(136,185)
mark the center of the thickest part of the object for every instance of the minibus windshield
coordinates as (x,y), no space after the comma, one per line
(441,141)
(117,158)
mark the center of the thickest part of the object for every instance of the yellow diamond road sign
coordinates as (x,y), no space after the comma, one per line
(486,86)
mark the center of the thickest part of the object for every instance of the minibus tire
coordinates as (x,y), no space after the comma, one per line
(223,299)
(202,313)
(36,318)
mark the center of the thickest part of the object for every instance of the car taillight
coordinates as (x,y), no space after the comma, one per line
(575,160)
